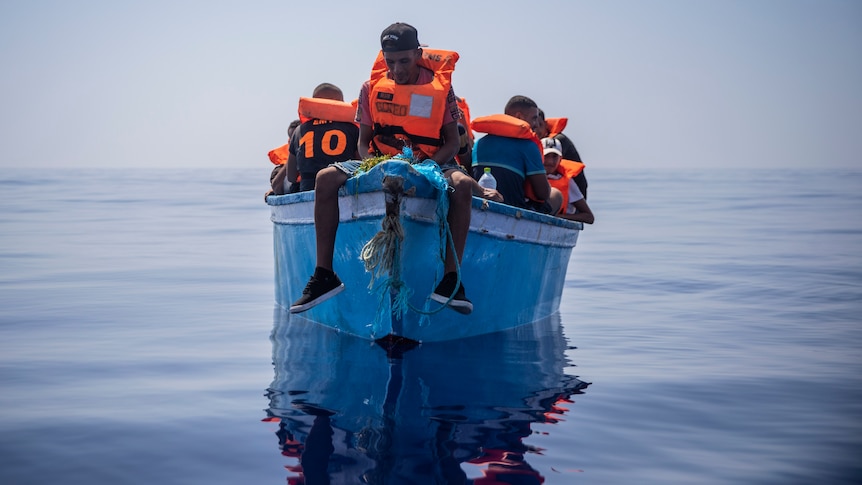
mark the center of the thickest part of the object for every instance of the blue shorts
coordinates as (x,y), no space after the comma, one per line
(452,166)
(349,167)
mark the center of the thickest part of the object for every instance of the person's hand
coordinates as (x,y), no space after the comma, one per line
(271,192)
(492,194)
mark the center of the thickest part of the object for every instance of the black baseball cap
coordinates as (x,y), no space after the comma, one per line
(399,37)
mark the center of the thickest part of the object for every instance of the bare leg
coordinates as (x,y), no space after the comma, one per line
(326,214)
(459,215)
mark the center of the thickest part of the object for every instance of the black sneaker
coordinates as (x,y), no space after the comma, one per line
(445,290)
(322,285)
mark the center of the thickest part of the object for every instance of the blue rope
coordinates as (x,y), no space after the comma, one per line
(431,171)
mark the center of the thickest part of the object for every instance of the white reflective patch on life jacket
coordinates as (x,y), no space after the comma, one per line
(420,105)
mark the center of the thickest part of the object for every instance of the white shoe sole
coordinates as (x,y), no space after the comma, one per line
(320,299)
(460,306)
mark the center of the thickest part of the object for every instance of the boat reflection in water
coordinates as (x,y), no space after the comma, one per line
(349,411)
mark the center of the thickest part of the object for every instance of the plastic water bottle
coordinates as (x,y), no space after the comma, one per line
(487,180)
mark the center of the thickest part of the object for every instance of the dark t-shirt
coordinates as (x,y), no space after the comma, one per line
(318,143)
(571,153)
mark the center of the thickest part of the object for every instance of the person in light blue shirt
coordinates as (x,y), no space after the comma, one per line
(516,161)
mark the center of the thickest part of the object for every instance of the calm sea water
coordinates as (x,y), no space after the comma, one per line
(711,333)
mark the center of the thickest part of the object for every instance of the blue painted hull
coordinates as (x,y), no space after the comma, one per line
(513,269)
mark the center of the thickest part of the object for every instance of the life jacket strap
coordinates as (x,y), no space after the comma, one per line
(391,131)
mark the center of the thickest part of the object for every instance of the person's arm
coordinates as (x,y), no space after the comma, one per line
(278,180)
(366,133)
(582,214)
(541,187)
(581,181)
(356,154)
(490,194)
(291,168)
(534,169)
(451,143)
(465,146)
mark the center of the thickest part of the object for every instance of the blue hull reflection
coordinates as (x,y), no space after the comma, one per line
(350,413)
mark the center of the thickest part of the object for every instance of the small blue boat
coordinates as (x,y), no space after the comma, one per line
(513,269)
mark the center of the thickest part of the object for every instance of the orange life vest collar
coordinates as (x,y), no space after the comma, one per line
(411,114)
(506,125)
(325,109)
(555,126)
(440,61)
(503,125)
(278,156)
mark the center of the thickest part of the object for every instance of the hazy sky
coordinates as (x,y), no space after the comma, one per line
(663,83)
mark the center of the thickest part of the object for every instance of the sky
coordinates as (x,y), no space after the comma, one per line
(644,83)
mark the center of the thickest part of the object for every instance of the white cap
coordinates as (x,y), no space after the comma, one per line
(552,145)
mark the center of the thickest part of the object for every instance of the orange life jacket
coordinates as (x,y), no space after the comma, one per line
(465,159)
(569,170)
(465,110)
(325,109)
(411,113)
(555,126)
(278,156)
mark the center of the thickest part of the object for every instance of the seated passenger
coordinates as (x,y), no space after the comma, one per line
(513,153)
(278,157)
(553,128)
(326,135)
(561,176)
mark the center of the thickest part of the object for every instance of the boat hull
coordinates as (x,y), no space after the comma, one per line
(513,268)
